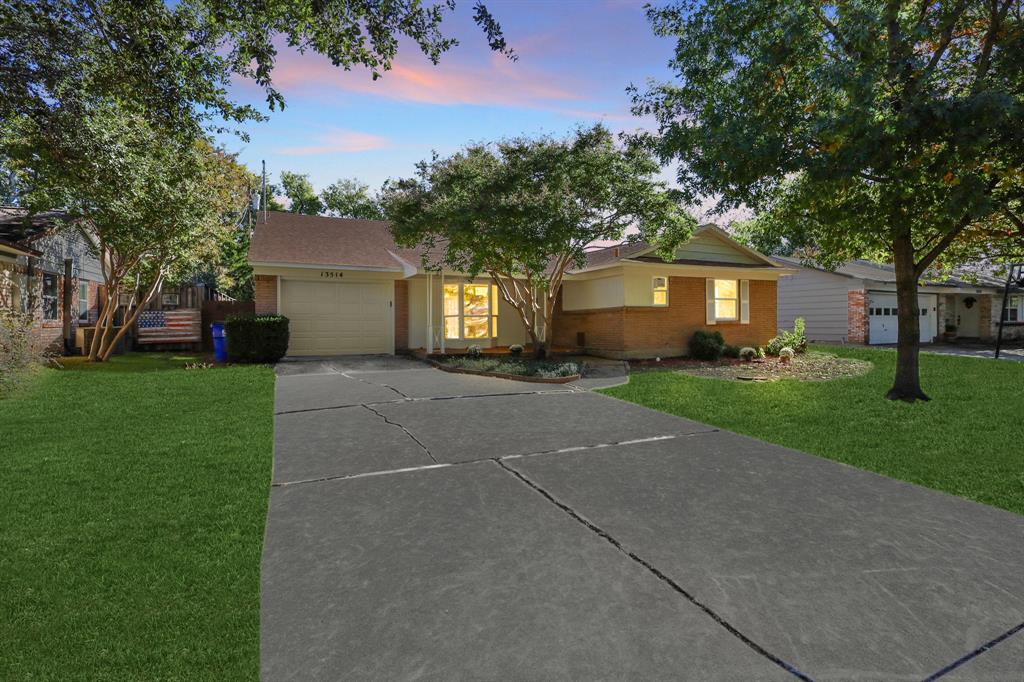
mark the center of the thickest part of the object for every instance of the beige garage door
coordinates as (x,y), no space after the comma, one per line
(338,318)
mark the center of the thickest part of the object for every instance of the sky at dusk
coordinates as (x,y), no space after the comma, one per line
(576,58)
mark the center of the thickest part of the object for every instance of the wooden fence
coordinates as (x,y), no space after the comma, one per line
(217,311)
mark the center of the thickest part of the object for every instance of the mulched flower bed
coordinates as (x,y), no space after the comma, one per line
(812,366)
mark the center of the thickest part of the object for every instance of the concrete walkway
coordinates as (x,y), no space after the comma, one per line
(433,526)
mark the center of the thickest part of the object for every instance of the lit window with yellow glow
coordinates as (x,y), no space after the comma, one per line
(727,299)
(470,311)
(659,290)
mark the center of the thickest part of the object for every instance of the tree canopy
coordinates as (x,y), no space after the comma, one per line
(524,210)
(301,195)
(871,128)
(177,60)
(350,198)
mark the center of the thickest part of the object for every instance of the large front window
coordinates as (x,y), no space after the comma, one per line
(470,311)
(727,299)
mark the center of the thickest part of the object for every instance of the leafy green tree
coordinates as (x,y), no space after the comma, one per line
(351,199)
(855,128)
(154,206)
(300,193)
(524,210)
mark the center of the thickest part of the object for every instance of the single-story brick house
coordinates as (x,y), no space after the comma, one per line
(856,303)
(56,274)
(348,289)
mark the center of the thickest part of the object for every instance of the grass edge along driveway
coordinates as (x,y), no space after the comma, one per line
(133,506)
(968,441)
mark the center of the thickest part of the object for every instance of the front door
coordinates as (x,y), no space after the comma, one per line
(968,317)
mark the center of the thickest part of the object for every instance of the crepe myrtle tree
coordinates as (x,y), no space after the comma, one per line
(153,206)
(523,211)
(864,128)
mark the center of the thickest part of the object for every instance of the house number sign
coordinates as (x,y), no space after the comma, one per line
(330,274)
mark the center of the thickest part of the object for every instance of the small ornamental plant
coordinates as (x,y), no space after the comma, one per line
(747,354)
(515,349)
(786,355)
(475,351)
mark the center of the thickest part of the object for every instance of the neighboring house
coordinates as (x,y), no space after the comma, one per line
(348,289)
(54,274)
(856,303)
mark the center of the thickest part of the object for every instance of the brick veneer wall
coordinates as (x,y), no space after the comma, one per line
(266,294)
(642,331)
(857,317)
(401,314)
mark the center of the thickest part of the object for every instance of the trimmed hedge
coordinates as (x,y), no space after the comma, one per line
(256,338)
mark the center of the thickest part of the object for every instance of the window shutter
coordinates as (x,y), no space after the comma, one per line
(709,294)
(744,301)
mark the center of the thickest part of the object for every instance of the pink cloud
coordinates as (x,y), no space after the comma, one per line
(338,142)
(494,81)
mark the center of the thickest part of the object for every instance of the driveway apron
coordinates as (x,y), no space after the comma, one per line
(426,525)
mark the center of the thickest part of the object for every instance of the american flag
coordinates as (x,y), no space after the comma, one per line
(170,326)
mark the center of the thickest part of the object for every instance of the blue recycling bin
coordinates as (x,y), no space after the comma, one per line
(220,342)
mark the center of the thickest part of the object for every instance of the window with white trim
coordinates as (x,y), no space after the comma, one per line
(659,290)
(83,301)
(727,299)
(49,297)
(1014,311)
(470,311)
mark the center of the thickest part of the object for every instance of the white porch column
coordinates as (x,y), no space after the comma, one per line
(442,310)
(430,312)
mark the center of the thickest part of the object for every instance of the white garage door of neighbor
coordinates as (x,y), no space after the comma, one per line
(883,328)
(338,318)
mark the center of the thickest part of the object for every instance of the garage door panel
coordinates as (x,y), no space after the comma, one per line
(883,325)
(331,318)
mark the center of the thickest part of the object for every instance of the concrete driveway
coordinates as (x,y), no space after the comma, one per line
(433,526)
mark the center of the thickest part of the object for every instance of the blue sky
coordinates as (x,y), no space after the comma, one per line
(576,58)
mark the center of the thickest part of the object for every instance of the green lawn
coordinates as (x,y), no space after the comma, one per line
(133,497)
(968,441)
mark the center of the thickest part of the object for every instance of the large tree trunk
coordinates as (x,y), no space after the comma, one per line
(907,383)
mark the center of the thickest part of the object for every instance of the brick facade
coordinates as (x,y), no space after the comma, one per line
(401,315)
(47,335)
(857,330)
(266,294)
(644,331)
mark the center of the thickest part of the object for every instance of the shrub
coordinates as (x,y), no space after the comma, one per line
(475,351)
(549,369)
(760,352)
(731,351)
(516,350)
(747,353)
(774,346)
(706,345)
(795,339)
(786,354)
(17,352)
(256,338)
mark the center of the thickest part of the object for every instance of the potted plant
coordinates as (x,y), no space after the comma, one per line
(950,333)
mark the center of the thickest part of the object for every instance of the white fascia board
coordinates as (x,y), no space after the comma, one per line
(324,266)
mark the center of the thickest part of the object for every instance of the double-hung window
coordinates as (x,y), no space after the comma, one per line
(727,299)
(659,290)
(1014,309)
(49,297)
(470,311)
(83,301)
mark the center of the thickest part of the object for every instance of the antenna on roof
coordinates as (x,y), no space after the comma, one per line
(264,190)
